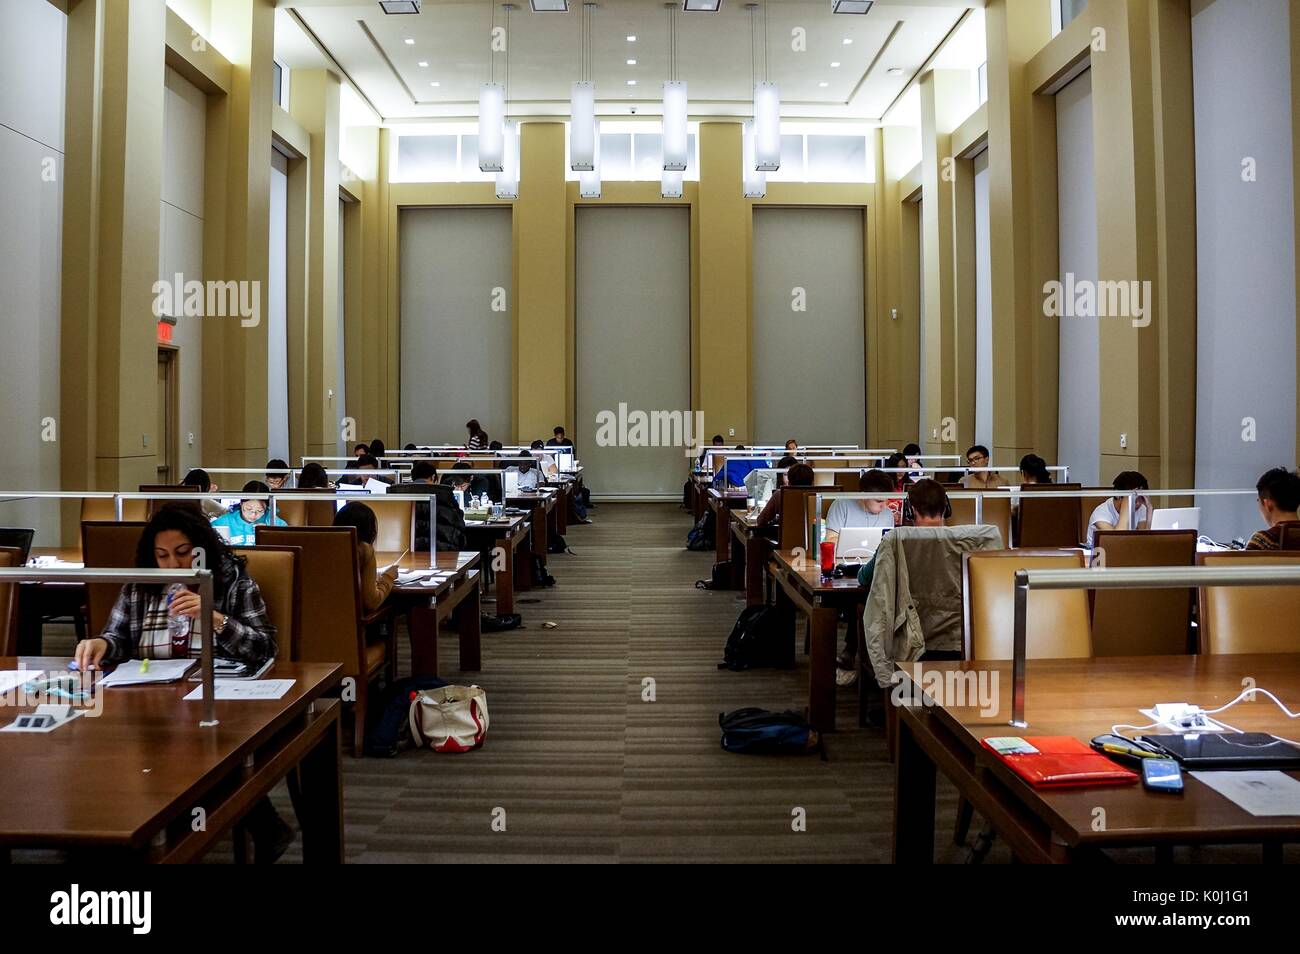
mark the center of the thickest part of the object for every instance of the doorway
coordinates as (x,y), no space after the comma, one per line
(165,450)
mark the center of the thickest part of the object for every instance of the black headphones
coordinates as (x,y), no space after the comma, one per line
(909,517)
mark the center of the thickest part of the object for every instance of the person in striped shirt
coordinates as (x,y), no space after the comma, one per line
(1279,499)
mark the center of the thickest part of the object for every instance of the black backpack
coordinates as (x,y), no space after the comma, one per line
(761,639)
(760,732)
(387,718)
(701,536)
(500,623)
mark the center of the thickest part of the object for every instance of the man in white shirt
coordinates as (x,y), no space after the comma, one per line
(1112,513)
(862,513)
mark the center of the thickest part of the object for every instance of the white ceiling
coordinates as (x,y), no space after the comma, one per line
(452,36)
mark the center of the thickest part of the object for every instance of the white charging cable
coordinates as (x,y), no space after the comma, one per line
(1210,712)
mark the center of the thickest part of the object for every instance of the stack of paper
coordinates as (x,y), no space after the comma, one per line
(135,672)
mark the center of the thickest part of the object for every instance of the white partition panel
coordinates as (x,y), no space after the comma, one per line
(1245,254)
(809,323)
(456,338)
(983,307)
(632,349)
(1078,401)
(277,330)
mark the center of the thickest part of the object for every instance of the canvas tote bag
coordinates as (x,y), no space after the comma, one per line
(450,719)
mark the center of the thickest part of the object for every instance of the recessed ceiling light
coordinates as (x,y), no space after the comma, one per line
(835,65)
(848,41)
(850,6)
(823,85)
(550,6)
(424,62)
(410,42)
(894,71)
(399,6)
(631,62)
(631,39)
(631,82)
(701,6)
(435,83)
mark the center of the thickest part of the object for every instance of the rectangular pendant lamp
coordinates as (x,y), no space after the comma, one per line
(670,186)
(589,179)
(508,177)
(491,127)
(674,126)
(767,127)
(582,127)
(755,181)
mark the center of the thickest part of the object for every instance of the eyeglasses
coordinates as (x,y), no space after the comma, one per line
(976,459)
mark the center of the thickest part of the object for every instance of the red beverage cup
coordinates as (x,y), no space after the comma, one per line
(828,557)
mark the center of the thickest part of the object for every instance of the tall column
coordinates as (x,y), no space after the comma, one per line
(112,178)
(314,102)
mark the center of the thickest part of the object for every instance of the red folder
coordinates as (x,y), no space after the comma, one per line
(1064,762)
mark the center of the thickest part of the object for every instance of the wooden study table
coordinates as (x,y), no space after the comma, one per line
(454,598)
(799,584)
(506,533)
(755,549)
(125,783)
(541,506)
(720,502)
(1084,698)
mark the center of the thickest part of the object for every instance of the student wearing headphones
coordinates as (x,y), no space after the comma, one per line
(927,505)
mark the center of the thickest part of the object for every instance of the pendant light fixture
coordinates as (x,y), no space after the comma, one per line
(755,182)
(491,113)
(508,177)
(589,181)
(670,186)
(674,136)
(767,108)
(582,105)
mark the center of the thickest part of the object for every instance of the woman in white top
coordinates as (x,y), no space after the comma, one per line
(1112,513)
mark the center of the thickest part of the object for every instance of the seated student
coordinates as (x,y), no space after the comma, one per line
(469,484)
(495,446)
(912,454)
(559,440)
(313,477)
(978,456)
(545,462)
(450,518)
(799,475)
(928,502)
(375,586)
(277,473)
(478,438)
(761,483)
(893,468)
(199,480)
(139,626)
(529,475)
(408,447)
(360,450)
(371,463)
(791,446)
(872,512)
(240,525)
(1108,514)
(1033,470)
(710,461)
(1278,500)
(378,450)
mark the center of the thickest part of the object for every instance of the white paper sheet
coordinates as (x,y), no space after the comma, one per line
(130,672)
(1266,793)
(232,689)
(11,679)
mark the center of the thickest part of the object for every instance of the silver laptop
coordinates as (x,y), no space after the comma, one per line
(1176,518)
(859,543)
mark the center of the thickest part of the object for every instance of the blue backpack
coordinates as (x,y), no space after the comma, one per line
(761,732)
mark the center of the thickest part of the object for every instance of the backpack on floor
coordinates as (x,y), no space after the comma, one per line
(557,544)
(449,719)
(500,623)
(389,732)
(760,732)
(701,536)
(762,638)
(719,577)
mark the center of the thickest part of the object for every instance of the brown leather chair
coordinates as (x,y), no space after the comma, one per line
(1057,623)
(276,571)
(396,519)
(1290,535)
(107,543)
(291,510)
(1249,619)
(1048,521)
(104,509)
(996,512)
(1143,622)
(9,557)
(331,621)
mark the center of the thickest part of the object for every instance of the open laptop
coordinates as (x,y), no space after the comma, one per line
(858,543)
(20,538)
(1176,518)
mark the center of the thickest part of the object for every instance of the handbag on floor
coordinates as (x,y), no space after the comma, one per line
(760,732)
(450,719)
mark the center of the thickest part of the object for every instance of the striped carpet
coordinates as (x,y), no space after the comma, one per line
(582,766)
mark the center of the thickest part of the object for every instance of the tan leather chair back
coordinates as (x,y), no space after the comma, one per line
(1249,619)
(996,512)
(1143,622)
(1057,621)
(107,543)
(396,519)
(9,557)
(329,618)
(275,570)
(292,510)
(1049,521)
(794,516)
(1290,536)
(848,481)
(103,509)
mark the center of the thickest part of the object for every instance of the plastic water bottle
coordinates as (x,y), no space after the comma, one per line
(178,626)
